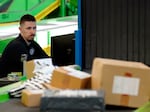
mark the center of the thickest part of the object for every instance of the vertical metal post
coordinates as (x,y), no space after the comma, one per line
(79,15)
(23,59)
(78,39)
(49,42)
(63,8)
(26,5)
(48,38)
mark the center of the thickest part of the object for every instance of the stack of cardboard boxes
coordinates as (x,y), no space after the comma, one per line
(125,83)
(62,78)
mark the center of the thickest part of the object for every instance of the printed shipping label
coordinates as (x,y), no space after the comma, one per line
(126,85)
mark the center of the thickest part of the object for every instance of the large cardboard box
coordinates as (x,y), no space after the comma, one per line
(125,83)
(69,78)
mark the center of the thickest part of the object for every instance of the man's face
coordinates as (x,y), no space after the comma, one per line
(28,30)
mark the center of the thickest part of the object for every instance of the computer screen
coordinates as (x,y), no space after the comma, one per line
(63,49)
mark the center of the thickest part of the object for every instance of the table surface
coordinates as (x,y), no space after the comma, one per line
(15,105)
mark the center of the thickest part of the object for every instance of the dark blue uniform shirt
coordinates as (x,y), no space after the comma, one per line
(11,60)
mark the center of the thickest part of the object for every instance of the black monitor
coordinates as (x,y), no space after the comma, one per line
(63,49)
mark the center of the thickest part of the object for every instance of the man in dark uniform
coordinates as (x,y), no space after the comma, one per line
(23,45)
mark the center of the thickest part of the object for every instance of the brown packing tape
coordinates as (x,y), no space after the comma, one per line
(125,98)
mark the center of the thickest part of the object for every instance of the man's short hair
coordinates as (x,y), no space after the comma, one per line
(27,17)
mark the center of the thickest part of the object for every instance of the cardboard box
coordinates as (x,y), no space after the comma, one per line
(29,67)
(69,78)
(31,98)
(125,83)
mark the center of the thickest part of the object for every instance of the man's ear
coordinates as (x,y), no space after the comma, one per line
(19,28)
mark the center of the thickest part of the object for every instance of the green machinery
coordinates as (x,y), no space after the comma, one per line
(12,10)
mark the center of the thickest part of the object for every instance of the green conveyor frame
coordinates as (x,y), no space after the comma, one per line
(12,10)
(17,8)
